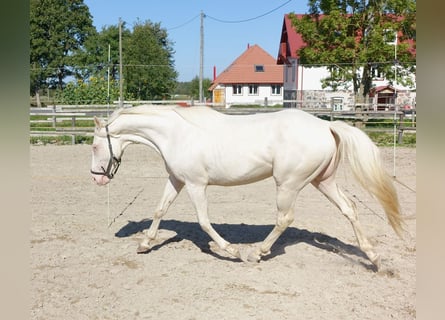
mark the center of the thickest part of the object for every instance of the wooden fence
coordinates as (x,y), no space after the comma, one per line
(76,120)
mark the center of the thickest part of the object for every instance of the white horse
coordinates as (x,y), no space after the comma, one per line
(202,147)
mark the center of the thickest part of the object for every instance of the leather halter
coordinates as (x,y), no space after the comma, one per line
(113,163)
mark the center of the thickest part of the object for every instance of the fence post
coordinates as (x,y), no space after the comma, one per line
(359,119)
(54,116)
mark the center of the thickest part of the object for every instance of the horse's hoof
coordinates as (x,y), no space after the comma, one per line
(143,249)
(377,263)
(254,257)
(234,250)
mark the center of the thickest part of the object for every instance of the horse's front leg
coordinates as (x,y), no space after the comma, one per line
(198,197)
(171,190)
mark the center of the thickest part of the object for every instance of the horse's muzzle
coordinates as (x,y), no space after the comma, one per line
(100,179)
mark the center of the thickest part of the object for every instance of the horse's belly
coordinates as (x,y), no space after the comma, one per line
(238,173)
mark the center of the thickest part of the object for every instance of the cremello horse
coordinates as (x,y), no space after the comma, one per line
(202,147)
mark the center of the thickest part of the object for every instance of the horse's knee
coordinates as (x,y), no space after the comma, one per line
(284,220)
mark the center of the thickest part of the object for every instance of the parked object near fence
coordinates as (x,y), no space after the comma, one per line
(202,147)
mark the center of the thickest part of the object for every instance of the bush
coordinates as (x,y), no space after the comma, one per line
(93,91)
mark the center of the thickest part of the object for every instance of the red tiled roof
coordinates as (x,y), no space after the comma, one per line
(291,41)
(377,89)
(242,70)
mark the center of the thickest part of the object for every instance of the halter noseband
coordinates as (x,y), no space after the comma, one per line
(113,163)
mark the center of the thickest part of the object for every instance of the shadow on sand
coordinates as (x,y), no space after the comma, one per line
(247,234)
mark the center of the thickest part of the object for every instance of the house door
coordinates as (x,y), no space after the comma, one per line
(218,96)
(385,100)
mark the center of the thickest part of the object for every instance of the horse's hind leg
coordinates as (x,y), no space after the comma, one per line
(286,197)
(331,190)
(171,190)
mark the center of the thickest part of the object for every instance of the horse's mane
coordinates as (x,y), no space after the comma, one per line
(116,113)
(142,109)
(192,115)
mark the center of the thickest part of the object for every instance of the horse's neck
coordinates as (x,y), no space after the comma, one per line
(141,128)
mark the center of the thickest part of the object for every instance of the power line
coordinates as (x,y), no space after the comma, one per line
(185,23)
(250,19)
(103,66)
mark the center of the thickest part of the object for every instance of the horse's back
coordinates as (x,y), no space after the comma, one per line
(284,128)
(292,119)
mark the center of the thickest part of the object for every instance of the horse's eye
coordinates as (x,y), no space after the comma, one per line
(94,147)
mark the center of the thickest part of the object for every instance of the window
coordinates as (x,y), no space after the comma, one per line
(237,89)
(377,74)
(337,103)
(259,68)
(276,89)
(288,70)
(253,89)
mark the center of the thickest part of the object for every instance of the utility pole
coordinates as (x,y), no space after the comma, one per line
(108,80)
(395,105)
(201,59)
(121,79)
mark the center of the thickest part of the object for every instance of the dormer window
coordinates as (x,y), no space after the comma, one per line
(259,68)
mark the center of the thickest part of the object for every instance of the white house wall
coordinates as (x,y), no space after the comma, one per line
(264,91)
(310,79)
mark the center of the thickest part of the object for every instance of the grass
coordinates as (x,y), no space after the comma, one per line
(60,140)
(383,139)
(63,124)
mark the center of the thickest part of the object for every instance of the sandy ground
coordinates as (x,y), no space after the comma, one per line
(82,268)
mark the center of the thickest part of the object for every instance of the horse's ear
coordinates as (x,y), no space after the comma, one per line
(97,122)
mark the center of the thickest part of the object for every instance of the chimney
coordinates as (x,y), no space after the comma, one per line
(214,73)
(248,45)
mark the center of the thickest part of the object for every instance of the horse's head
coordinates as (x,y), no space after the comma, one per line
(106,154)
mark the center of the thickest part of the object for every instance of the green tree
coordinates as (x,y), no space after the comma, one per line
(148,59)
(194,87)
(352,38)
(58,30)
(183,88)
(94,59)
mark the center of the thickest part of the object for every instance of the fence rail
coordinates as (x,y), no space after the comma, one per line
(76,120)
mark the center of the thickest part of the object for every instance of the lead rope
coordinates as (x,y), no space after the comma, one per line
(108,117)
(126,207)
(108,205)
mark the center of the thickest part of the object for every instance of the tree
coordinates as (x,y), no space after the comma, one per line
(58,30)
(206,83)
(353,39)
(148,59)
(93,59)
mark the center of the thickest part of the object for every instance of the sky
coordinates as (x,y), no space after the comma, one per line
(226,31)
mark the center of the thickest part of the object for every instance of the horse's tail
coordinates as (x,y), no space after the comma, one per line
(366,164)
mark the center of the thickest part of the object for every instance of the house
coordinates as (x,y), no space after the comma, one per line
(252,78)
(302,85)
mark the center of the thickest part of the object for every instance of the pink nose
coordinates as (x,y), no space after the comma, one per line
(100,179)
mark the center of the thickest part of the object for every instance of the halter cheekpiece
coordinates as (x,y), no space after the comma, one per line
(113,163)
